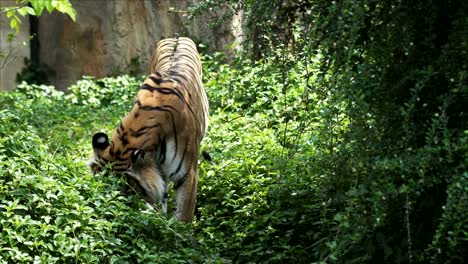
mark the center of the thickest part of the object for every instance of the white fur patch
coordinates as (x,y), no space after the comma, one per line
(101,140)
(170,151)
(171,163)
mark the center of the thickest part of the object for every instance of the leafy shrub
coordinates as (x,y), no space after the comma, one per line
(95,93)
(54,211)
(248,203)
(38,91)
(382,110)
(246,199)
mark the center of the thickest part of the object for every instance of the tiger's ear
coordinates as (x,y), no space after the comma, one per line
(138,155)
(100,141)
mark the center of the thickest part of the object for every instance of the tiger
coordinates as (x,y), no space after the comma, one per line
(158,141)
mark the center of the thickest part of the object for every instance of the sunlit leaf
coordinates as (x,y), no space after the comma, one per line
(49,5)
(15,23)
(38,6)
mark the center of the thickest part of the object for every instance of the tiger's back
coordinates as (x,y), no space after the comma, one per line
(180,60)
(159,140)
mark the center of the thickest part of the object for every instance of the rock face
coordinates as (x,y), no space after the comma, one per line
(115,37)
(16,47)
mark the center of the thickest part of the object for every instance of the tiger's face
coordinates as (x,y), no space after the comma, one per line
(127,161)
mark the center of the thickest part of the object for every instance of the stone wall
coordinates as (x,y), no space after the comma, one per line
(17,49)
(109,34)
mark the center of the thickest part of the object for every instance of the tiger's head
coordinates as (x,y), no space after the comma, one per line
(126,160)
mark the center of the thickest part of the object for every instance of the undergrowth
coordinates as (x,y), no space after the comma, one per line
(54,211)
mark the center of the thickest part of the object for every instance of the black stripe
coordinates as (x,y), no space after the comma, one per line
(172,91)
(142,145)
(178,94)
(153,108)
(180,182)
(189,57)
(119,170)
(124,163)
(148,87)
(181,160)
(162,152)
(171,107)
(174,129)
(155,80)
(129,149)
(175,74)
(161,108)
(124,139)
(144,130)
(121,127)
(166,57)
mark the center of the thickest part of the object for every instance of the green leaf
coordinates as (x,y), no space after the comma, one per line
(49,6)
(30,11)
(72,14)
(65,7)
(38,6)
(15,23)
(11,36)
(22,11)
(26,10)
(10,13)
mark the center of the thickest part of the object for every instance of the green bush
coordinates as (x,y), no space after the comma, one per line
(380,111)
(95,93)
(247,194)
(53,210)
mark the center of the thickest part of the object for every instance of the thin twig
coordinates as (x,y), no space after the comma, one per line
(285,86)
(408,228)
(7,59)
(8,9)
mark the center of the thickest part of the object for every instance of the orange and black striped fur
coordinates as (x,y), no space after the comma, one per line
(159,140)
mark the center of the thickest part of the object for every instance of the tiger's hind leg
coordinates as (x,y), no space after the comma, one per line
(186,192)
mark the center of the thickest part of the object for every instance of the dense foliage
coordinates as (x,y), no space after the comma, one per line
(51,208)
(342,139)
(392,135)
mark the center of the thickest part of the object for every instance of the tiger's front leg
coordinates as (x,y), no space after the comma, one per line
(186,192)
(163,201)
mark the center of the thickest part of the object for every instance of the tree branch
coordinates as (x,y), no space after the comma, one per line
(8,9)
